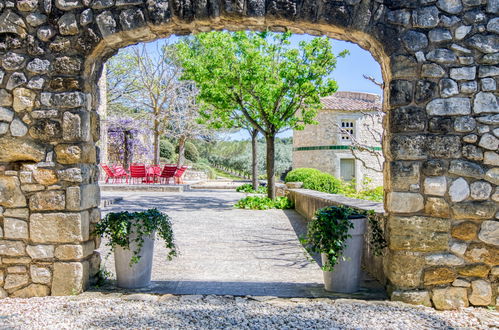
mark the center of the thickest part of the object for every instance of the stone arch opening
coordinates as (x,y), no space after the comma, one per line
(439,61)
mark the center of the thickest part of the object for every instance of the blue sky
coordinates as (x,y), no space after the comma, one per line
(348,72)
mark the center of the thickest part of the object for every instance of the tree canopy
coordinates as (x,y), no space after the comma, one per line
(261,78)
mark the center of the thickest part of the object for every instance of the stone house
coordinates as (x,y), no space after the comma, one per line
(347,140)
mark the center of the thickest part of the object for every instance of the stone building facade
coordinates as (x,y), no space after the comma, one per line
(440,62)
(347,123)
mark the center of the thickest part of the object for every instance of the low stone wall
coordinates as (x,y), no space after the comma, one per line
(308,201)
(191,175)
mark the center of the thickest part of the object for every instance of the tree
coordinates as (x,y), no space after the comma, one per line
(182,122)
(261,77)
(145,84)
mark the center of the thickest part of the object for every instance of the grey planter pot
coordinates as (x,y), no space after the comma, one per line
(346,276)
(138,275)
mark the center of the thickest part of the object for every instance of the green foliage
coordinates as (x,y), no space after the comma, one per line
(373,194)
(248,188)
(191,152)
(300,174)
(260,79)
(166,149)
(323,182)
(376,235)
(328,232)
(264,203)
(236,155)
(117,227)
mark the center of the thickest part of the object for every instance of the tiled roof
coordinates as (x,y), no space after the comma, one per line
(352,101)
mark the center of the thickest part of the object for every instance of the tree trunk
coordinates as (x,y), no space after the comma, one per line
(270,139)
(126,152)
(156,143)
(181,151)
(254,159)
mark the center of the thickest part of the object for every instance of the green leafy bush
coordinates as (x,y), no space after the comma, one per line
(166,149)
(191,152)
(300,174)
(263,203)
(248,188)
(328,232)
(323,182)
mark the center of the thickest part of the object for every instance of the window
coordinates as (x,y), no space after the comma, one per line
(347,169)
(347,130)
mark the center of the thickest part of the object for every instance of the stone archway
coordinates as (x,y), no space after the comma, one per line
(439,60)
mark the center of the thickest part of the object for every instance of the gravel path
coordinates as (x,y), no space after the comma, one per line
(98,311)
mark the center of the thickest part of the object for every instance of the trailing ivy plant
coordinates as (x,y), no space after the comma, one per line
(376,235)
(117,227)
(328,232)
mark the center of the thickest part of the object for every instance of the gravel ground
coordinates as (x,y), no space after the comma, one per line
(114,311)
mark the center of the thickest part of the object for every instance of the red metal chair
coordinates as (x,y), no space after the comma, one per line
(114,176)
(168,173)
(178,174)
(154,171)
(138,171)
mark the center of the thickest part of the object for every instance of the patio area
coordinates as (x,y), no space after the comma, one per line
(228,251)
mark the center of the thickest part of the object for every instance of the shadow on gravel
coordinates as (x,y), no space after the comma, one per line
(276,289)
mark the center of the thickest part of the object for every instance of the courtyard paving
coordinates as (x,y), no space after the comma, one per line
(229,251)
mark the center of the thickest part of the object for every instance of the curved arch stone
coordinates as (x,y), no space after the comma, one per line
(66,42)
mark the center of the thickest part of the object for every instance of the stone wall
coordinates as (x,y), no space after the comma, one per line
(440,65)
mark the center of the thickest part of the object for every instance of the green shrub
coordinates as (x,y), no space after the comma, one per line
(248,188)
(323,182)
(300,174)
(166,149)
(263,203)
(374,194)
(191,152)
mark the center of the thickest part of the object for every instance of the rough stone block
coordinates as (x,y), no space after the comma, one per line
(436,186)
(406,147)
(15,281)
(75,251)
(459,190)
(40,251)
(59,227)
(481,293)
(443,259)
(404,270)
(405,202)
(454,106)
(75,154)
(15,228)
(69,278)
(489,232)
(466,168)
(416,233)
(40,274)
(479,253)
(465,231)
(12,248)
(82,197)
(32,290)
(474,210)
(47,201)
(450,298)
(439,275)
(412,297)
(475,270)
(404,174)
(11,194)
(437,207)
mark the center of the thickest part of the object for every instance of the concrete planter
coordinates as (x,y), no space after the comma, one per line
(346,276)
(137,275)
